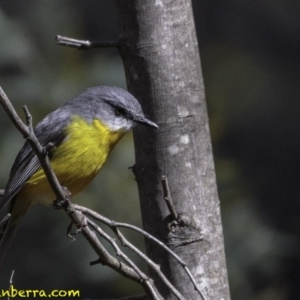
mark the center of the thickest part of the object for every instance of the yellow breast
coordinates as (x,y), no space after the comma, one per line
(78,159)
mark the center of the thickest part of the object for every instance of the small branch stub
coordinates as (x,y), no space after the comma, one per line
(84,44)
(168,198)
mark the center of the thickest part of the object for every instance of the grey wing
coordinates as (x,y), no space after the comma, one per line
(49,130)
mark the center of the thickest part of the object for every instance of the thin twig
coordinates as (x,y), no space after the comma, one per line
(121,254)
(84,44)
(112,224)
(28,117)
(11,277)
(11,280)
(154,266)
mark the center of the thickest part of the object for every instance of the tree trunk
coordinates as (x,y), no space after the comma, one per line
(159,49)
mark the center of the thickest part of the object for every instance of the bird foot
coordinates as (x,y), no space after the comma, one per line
(63,203)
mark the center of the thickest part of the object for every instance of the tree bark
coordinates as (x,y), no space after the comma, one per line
(160,53)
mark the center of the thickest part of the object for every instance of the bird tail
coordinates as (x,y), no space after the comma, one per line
(7,235)
(6,241)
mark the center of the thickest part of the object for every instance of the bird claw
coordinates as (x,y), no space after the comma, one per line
(80,227)
(63,203)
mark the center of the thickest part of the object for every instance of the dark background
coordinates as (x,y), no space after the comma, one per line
(250,57)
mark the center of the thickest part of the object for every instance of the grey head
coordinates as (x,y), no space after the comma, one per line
(115,107)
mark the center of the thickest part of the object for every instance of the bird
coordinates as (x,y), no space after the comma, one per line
(82,133)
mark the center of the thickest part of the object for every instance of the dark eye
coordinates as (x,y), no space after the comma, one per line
(119,111)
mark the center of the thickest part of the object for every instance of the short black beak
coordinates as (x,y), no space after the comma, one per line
(144,121)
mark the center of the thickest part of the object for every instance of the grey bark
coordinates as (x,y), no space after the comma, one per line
(160,53)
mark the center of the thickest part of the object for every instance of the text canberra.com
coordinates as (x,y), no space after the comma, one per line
(15,293)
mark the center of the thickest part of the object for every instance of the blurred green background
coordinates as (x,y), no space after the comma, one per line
(250,52)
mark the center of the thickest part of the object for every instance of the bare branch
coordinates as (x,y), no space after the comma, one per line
(84,44)
(114,225)
(153,265)
(125,243)
(121,254)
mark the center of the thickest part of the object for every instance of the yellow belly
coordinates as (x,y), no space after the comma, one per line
(76,161)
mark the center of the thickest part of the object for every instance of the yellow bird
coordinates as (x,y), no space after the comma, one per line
(83,131)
